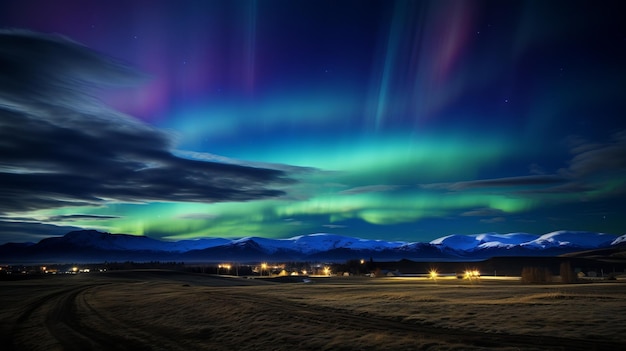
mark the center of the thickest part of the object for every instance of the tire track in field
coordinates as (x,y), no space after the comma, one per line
(66,325)
(65,319)
(25,319)
(57,312)
(337,318)
(138,336)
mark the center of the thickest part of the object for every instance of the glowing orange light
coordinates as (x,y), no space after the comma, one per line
(472,274)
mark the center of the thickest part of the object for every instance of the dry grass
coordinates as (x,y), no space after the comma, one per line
(191,312)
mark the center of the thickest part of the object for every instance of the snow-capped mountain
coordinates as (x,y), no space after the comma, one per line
(92,245)
(558,239)
(320,242)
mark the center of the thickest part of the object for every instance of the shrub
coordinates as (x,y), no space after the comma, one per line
(535,275)
(567,274)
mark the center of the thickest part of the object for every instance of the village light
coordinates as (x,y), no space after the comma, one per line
(472,274)
(225,266)
(263,267)
(326,270)
(433,274)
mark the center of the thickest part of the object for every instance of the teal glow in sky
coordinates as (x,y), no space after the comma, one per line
(398,120)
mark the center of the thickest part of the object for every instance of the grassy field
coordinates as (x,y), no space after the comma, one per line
(165,310)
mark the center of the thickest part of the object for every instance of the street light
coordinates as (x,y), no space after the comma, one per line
(263,267)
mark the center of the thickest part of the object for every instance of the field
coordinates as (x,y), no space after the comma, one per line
(167,310)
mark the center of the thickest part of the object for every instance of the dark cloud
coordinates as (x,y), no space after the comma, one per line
(43,71)
(61,147)
(592,159)
(571,187)
(20,231)
(593,166)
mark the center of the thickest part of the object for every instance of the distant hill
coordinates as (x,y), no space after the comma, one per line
(94,246)
(612,253)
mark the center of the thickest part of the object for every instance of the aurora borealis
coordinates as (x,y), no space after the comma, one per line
(395,120)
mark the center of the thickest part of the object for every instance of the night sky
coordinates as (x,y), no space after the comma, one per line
(395,120)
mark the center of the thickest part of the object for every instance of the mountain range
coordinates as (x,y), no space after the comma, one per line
(94,246)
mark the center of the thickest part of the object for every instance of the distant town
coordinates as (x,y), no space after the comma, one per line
(537,268)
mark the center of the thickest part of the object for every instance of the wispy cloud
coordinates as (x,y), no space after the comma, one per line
(594,165)
(201,216)
(521,181)
(482,212)
(493,220)
(61,147)
(369,189)
(79,217)
(334,226)
(208,157)
(591,166)
(293,222)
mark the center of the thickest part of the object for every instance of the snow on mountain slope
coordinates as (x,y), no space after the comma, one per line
(573,239)
(619,240)
(482,241)
(456,242)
